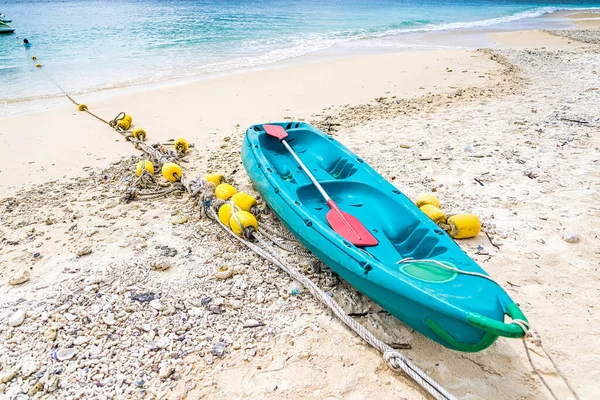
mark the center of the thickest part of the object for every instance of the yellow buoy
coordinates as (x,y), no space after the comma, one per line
(123,124)
(38,65)
(427,198)
(246,219)
(215,179)
(464,226)
(128,118)
(434,213)
(243,201)
(144,165)
(181,145)
(82,107)
(225,213)
(171,172)
(224,191)
(33,58)
(139,134)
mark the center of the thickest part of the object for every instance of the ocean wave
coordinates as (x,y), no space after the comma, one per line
(536,13)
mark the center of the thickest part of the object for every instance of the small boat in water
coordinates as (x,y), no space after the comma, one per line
(6,21)
(5,28)
(414,270)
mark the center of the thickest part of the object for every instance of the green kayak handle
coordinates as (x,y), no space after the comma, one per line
(499,328)
(493,329)
(485,342)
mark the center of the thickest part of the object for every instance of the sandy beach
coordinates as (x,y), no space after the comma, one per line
(122,299)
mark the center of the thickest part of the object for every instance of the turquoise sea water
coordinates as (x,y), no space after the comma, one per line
(93,44)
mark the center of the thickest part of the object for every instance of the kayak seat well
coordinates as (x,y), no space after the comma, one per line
(399,231)
(314,150)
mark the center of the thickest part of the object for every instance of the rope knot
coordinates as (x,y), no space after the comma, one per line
(534,337)
(392,358)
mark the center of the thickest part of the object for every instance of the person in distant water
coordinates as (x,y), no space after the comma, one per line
(26,43)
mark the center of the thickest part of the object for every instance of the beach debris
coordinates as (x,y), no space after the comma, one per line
(38,387)
(156,304)
(7,376)
(143,297)
(179,218)
(252,323)
(109,319)
(570,237)
(80,340)
(17,318)
(295,288)
(167,251)
(65,354)
(218,349)
(20,278)
(50,333)
(28,368)
(166,371)
(224,272)
(160,266)
(468,149)
(84,251)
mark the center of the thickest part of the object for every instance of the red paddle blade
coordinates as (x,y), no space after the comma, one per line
(275,131)
(349,227)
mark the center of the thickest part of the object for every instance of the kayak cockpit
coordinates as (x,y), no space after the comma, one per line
(399,231)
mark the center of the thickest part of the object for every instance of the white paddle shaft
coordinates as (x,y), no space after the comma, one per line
(307,171)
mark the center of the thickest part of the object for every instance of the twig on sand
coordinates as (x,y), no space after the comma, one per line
(577,121)
(490,239)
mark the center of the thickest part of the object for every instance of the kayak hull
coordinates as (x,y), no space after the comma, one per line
(461,312)
(6,30)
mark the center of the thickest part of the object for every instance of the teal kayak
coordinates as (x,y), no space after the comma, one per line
(415,271)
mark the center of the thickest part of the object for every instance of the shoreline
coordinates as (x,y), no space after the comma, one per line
(470,38)
(504,147)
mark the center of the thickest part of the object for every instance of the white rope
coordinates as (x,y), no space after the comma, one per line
(536,340)
(392,358)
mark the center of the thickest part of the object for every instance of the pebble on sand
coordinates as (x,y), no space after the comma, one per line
(570,237)
(17,318)
(65,354)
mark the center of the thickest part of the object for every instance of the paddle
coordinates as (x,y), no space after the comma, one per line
(343,223)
